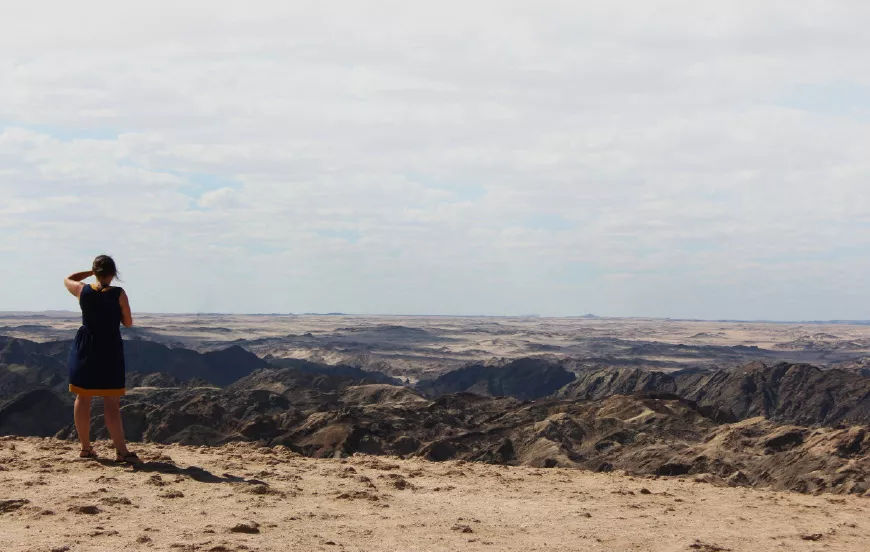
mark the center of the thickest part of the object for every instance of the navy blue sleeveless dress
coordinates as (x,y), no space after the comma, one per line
(96,361)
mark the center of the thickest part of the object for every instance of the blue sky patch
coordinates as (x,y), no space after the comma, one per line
(67,134)
(545,221)
(351,236)
(840,98)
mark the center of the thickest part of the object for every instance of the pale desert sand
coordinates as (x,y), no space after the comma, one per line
(198,499)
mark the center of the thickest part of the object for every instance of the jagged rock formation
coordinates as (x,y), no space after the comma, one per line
(604,382)
(525,378)
(791,393)
(26,365)
(38,412)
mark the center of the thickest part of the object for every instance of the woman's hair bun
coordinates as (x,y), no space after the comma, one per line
(104,266)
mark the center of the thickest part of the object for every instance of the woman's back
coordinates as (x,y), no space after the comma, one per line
(101,309)
(96,362)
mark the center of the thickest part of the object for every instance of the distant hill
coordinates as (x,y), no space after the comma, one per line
(525,378)
(27,364)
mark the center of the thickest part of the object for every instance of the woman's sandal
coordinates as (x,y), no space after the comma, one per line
(87,453)
(129,458)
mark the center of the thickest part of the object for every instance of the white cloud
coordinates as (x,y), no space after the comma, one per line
(634,158)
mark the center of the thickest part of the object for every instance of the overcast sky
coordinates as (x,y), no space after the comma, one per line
(683,159)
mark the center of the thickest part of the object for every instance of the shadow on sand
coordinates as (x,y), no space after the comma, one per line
(194,472)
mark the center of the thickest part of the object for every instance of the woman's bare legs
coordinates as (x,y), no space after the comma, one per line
(82,418)
(112,416)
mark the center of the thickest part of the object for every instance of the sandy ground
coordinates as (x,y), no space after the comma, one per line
(244,497)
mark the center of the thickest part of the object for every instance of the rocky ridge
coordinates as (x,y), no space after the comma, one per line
(748,426)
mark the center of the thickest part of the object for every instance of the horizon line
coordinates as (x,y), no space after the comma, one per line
(588,316)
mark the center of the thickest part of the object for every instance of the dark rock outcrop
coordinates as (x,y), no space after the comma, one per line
(788,393)
(600,383)
(39,412)
(218,367)
(525,378)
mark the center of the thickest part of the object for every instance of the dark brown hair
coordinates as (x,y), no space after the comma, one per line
(105,266)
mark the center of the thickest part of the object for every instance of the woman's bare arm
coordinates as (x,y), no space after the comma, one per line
(73,282)
(126,316)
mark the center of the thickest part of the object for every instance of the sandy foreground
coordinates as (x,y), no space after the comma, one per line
(245,497)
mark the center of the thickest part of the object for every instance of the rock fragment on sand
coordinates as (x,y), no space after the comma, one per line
(262,489)
(115,500)
(706,547)
(86,509)
(156,480)
(249,527)
(12,504)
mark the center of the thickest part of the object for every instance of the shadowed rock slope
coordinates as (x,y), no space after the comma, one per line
(792,393)
(25,365)
(525,378)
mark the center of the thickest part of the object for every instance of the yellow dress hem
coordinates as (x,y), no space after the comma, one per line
(97,392)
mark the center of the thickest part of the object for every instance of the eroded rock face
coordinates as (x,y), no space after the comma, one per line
(525,378)
(604,382)
(788,393)
(39,412)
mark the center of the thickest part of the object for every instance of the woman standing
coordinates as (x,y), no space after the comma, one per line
(96,361)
